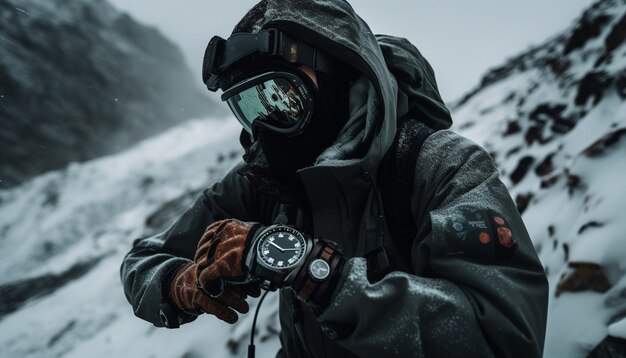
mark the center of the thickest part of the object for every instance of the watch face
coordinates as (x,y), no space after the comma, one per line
(319,269)
(281,247)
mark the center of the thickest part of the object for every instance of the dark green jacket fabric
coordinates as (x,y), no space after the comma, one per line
(472,288)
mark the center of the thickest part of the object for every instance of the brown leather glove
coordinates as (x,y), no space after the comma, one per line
(199,286)
(221,253)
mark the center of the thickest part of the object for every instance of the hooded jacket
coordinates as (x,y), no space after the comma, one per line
(474,286)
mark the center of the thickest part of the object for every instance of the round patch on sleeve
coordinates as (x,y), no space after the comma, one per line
(484,237)
(505,236)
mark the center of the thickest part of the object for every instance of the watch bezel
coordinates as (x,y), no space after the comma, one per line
(284,228)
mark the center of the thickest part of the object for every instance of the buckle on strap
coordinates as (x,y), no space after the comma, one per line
(221,53)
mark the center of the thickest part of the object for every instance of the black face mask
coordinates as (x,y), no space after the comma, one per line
(286,155)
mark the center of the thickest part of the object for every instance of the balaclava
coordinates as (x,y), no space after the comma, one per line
(285,155)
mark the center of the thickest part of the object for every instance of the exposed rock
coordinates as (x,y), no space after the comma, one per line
(146,182)
(610,347)
(588,225)
(558,65)
(70,325)
(513,151)
(512,127)
(547,183)
(467,125)
(553,114)
(522,201)
(546,166)
(562,125)
(165,215)
(617,35)
(588,28)
(547,112)
(573,182)
(565,251)
(585,276)
(522,168)
(593,86)
(534,134)
(271,332)
(614,40)
(620,83)
(233,346)
(17,293)
(599,147)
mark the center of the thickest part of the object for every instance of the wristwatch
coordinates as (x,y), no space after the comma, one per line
(276,253)
(281,255)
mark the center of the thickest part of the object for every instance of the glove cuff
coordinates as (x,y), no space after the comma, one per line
(182,278)
(171,313)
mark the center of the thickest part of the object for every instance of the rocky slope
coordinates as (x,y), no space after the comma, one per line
(63,236)
(554,119)
(79,80)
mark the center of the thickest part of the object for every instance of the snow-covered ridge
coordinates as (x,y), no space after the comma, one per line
(64,234)
(79,80)
(554,119)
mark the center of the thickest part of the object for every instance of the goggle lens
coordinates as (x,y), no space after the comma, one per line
(275,100)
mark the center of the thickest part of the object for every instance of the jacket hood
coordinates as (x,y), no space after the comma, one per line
(396,80)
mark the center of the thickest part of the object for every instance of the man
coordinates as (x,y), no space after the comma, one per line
(454,275)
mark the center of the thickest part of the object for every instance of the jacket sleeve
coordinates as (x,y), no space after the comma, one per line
(477,288)
(151,260)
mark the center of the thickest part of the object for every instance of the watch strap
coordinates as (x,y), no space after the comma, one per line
(322,295)
(312,291)
(304,271)
(274,278)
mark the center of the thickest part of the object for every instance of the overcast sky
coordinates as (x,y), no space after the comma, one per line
(460,38)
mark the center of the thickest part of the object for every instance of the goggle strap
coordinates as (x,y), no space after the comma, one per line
(221,54)
(241,45)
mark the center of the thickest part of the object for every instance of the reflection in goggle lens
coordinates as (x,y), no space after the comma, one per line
(265,100)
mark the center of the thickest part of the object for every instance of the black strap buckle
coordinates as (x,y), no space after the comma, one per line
(221,54)
(213,55)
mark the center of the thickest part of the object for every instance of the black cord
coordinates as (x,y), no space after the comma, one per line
(256,314)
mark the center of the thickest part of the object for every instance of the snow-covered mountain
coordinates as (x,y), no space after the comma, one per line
(79,80)
(554,119)
(63,236)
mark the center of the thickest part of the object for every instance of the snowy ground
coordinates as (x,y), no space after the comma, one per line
(556,126)
(93,211)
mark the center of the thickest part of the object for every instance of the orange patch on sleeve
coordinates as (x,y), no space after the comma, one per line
(505,236)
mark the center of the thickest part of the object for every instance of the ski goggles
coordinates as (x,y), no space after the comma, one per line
(221,54)
(279,101)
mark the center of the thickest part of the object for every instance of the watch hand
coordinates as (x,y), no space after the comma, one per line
(295,249)
(280,248)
